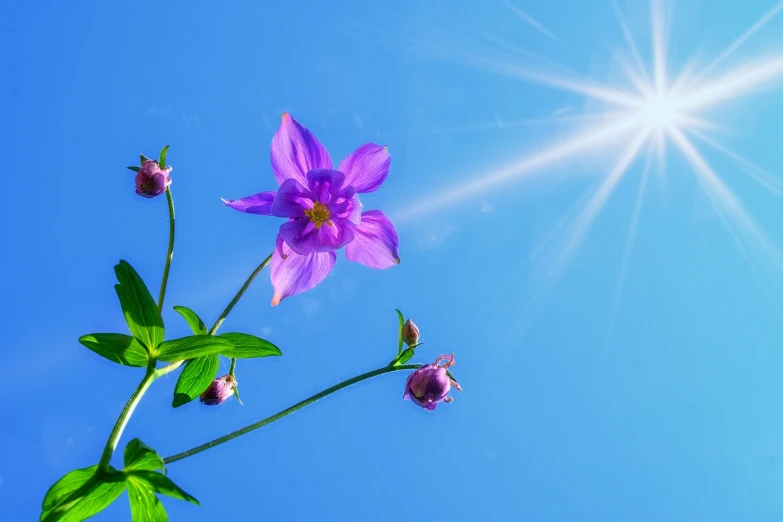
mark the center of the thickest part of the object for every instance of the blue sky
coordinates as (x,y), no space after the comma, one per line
(594,389)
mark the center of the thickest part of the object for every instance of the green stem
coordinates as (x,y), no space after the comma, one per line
(114,438)
(239,295)
(232,367)
(170,254)
(288,411)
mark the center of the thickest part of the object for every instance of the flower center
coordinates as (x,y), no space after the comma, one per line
(318,214)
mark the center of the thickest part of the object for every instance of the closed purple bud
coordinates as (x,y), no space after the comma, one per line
(221,389)
(410,333)
(431,384)
(151,180)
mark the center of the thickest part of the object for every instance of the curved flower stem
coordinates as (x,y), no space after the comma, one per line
(170,254)
(288,411)
(114,438)
(239,295)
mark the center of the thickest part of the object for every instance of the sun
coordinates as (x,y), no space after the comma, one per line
(661,112)
(656,107)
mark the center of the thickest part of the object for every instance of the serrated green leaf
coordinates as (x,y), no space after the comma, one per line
(191,347)
(246,346)
(140,310)
(120,348)
(195,378)
(162,158)
(139,456)
(194,321)
(401,320)
(134,168)
(145,505)
(164,485)
(81,494)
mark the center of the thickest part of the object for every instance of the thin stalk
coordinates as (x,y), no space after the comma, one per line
(170,253)
(288,411)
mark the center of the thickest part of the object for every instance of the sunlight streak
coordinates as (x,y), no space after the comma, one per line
(587,139)
(586,218)
(735,83)
(742,39)
(629,241)
(721,196)
(756,173)
(659,47)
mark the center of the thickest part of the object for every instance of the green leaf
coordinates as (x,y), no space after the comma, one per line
(80,494)
(145,506)
(246,346)
(119,348)
(401,320)
(134,169)
(405,356)
(140,310)
(65,486)
(236,395)
(139,456)
(162,158)
(195,378)
(191,347)
(194,321)
(164,485)
(143,158)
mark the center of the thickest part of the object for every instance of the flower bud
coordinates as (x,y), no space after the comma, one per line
(410,333)
(431,384)
(151,180)
(221,389)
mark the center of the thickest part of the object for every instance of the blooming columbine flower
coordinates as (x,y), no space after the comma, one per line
(151,180)
(430,384)
(221,389)
(323,210)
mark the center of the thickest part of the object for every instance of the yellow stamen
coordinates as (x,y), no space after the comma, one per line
(318,214)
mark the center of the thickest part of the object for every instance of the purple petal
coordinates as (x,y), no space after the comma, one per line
(303,237)
(260,203)
(346,207)
(325,184)
(296,274)
(292,200)
(375,243)
(295,151)
(367,167)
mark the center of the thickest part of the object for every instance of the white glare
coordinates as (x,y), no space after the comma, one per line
(656,110)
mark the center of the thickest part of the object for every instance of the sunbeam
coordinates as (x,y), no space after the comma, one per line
(658,106)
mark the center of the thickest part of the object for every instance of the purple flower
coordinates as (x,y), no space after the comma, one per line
(323,210)
(151,180)
(221,389)
(410,333)
(430,384)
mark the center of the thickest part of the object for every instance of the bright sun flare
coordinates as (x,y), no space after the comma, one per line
(653,109)
(661,112)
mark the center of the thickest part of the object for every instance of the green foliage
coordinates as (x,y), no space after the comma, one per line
(139,456)
(81,494)
(246,346)
(191,347)
(195,378)
(197,326)
(140,310)
(119,348)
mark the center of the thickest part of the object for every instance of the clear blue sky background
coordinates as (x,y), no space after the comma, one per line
(664,405)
